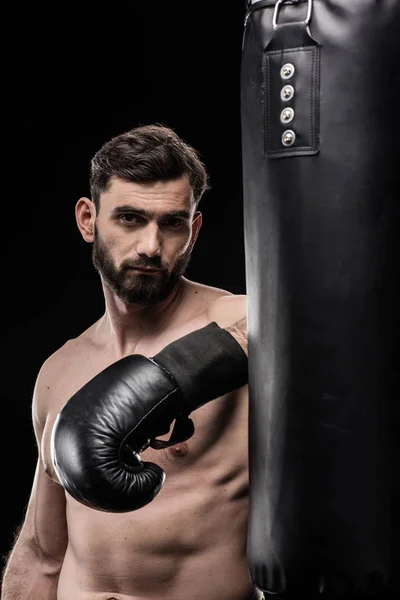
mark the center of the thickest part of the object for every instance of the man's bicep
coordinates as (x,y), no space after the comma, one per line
(228,310)
(45,526)
(45,522)
(230,313)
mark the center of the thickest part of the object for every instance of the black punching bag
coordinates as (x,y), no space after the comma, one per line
(320,111)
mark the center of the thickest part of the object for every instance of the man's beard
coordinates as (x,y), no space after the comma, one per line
(137,288)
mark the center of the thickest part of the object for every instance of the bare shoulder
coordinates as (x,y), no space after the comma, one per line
(50,368)
(54,372)
(207,293)
(68,354)
(217,304)
(212,299)
(228,310)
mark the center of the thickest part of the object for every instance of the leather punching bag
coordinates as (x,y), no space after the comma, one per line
(320,110)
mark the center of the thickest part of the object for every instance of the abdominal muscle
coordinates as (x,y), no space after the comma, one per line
(189,542)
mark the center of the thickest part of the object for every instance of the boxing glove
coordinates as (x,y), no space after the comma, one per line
(99,434)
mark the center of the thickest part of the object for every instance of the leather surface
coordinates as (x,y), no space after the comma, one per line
(322,238)
(100,431)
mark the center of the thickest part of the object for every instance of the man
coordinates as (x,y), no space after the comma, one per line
(190,540)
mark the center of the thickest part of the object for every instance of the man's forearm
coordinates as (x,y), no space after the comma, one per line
(26,577)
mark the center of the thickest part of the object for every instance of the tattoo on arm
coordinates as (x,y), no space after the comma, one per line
(239,332)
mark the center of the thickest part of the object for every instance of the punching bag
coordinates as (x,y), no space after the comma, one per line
(320,121)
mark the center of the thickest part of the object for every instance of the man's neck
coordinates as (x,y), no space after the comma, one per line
(125,326)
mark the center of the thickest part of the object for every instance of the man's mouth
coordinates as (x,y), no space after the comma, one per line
(146,269)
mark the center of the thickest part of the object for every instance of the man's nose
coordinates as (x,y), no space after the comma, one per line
(149,243)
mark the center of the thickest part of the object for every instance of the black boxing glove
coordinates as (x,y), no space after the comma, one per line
(99,433)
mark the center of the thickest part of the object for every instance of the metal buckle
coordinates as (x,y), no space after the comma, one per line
(276,13)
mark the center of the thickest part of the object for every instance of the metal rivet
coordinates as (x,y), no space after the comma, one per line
(287,71)
(287,92)
(288,137)
(287,115)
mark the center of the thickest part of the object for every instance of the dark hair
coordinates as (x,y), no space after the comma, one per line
(144,154)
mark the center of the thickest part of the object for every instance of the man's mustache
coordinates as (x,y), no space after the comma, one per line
(150,263)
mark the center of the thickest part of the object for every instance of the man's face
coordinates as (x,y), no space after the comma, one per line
(143,237)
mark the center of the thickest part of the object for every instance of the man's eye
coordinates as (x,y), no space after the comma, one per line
(176,223)
(129,218)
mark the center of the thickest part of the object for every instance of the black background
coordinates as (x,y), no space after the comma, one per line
(70,81)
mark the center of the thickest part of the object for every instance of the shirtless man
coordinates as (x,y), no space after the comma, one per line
(190,540)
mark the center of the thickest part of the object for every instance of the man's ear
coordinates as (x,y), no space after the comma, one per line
(85,214)
(196,224)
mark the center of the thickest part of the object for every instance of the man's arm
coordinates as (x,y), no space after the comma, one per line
(230,313)
(130,404)
(35,560)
